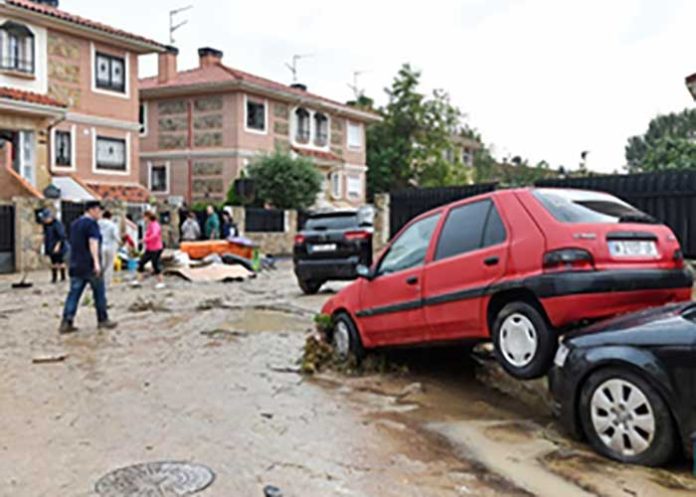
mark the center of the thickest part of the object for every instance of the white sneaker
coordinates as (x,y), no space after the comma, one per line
(160,286)
(135,283)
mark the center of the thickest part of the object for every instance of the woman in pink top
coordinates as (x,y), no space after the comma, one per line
(153,248)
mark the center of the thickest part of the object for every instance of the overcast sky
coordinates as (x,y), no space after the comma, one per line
(543,79)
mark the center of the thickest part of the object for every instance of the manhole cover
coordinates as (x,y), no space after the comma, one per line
(156,479)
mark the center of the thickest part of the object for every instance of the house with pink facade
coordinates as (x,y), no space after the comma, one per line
(69,108)
(203,126)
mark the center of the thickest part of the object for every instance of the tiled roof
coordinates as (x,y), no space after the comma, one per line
(65,16)
(219,74)
(27,96)
(317,154)
(127,192)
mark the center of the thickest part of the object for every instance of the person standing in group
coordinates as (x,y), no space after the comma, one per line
(190,230)
(153,250)
(212,225)
(55,243)
(86,269)
(111,240)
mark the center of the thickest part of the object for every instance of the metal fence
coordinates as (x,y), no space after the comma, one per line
(404,205)
(669,196)
(69,212)
(7,238)
(264,220)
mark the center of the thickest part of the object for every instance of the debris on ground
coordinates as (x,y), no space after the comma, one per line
(318,355)
(142,304)
(271,491)
(410,391)
(224,334)
(49,359)
(210,304)
(216,272)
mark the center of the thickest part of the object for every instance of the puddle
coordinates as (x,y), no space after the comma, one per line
(254,320)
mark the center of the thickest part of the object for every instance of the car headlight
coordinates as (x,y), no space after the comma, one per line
(561,355)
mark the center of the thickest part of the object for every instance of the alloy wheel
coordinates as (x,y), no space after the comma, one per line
(518,340)
(622,417)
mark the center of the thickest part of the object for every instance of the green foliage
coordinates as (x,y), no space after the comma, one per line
(667,144)
(408,146)
(285,182)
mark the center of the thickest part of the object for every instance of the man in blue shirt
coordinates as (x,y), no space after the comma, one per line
(85,269)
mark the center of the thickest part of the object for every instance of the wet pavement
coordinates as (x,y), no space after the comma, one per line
(208,374)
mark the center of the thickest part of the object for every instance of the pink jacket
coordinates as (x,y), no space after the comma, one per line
(153,237)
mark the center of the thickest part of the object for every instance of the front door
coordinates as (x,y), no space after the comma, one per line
(391,303)
(469,256)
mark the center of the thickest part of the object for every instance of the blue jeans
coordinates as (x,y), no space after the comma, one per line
(77,287)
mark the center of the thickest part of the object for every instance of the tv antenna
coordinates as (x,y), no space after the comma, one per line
(355,87)
(293,66)
(172,26)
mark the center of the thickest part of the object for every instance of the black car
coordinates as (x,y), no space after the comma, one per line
(330,247)
(628,385)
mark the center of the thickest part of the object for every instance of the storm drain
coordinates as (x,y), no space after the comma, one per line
(156,479)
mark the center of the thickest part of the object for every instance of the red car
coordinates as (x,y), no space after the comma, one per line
(515,266)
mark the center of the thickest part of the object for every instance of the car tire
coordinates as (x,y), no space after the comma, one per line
(346,340)
(655,434)
(524,343)
(310,287)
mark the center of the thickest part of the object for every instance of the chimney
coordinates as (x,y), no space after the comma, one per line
(299,86)
(166,65)
(209,56)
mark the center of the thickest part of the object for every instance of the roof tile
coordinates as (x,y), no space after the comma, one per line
(127,192)
(30,97)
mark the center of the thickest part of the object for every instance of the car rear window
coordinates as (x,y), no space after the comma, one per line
(578,206)
(324,223)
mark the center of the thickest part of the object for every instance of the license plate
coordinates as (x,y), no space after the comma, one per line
(633,248)
(327,247)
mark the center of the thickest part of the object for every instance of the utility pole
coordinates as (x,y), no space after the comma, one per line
(355,87)
(293,66)
(173,27)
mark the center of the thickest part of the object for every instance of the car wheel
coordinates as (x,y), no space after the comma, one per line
(310,287)
(524,343)
(346,339)
(625,419)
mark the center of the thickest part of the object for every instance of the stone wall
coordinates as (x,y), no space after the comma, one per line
(29,234)
(269,243)
(381,222)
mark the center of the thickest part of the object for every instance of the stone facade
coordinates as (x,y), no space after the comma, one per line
(270,243)
(381,222)
(29,234)
(64,70)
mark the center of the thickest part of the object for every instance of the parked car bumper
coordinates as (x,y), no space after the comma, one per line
(563,390)
(572,297)
(327,269)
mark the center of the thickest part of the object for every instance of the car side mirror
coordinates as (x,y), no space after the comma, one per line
(364,272)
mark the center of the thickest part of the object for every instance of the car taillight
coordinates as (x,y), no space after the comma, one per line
(299,239)
(356,235)
(568,260)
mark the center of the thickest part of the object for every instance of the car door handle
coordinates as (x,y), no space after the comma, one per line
(491,261)
(412,280)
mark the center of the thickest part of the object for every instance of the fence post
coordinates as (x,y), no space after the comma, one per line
(239,216)
(381,222)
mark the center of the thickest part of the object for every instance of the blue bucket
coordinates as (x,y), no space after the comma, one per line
(132,265)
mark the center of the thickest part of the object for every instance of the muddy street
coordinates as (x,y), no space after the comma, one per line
(209,374)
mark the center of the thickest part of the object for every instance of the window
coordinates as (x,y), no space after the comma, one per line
(464,229)
(575,206)
(111,154)
(355,189)
(159,178)
(321,126)
(302,126)
(449,155)
(17,48)
(410,248)
(27,156)
(110,73)
(467,156)
(62,148)
(355,135)
(336,185)
(142,119)
(255,116)
(337,221)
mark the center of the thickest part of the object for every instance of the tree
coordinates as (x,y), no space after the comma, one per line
(408,147)
(667,144)
(285,182)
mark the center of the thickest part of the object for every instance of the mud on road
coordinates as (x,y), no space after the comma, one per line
(208,374)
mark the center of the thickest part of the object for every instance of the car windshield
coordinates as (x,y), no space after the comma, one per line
(335,222)
(578,206)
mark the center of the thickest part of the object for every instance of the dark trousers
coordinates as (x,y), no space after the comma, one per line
(77,287)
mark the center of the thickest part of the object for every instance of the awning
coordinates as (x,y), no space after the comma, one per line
(73,190)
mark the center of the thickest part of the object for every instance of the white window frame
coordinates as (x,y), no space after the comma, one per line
(265,118)
(352,194)
(312,129)
(167,169)
(73,150)
(27,165)
(146,112)
(336,194)
(93,74)
(110,172)
(361,131)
